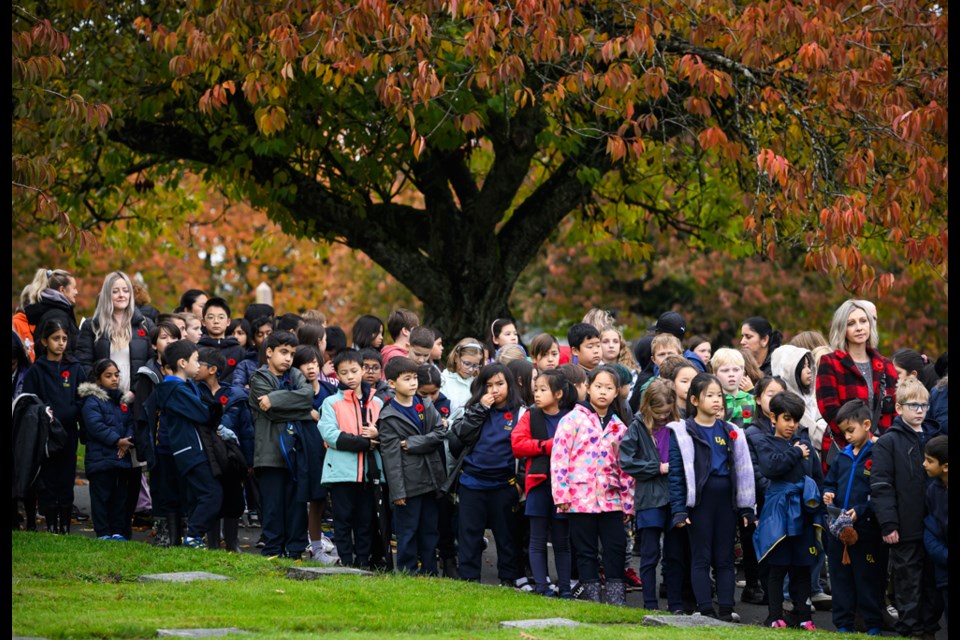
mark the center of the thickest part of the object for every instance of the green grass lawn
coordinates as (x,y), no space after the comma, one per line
(79,587)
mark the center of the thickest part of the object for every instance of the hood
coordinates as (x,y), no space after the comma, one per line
(49,299)
(92,389)
(784,363)
(228,341)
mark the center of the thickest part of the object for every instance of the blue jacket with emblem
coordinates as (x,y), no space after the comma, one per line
(105,419)
(182,410)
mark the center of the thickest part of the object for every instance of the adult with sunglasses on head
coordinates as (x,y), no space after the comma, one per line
(855,369)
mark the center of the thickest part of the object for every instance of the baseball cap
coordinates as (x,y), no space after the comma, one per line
(671,322)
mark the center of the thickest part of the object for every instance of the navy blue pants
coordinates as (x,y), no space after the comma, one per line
(108,501)
(484,509)
(353,526)
(558,531)
(416,525)
(58,474)
(447,527)
(283,518)
(204,493)
(917,599)
(713,524)
(586,529)
(859,584)
(167,487)
(674,567)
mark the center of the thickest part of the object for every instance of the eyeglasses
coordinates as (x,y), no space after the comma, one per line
(370,368)
(213,317)
(204,364)
(470,366)
(916,406)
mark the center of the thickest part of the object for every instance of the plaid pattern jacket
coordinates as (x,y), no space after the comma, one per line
(839,380)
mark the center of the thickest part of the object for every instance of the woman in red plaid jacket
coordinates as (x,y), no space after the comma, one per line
(855,369)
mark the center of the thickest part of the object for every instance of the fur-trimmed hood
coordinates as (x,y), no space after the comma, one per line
(93,389)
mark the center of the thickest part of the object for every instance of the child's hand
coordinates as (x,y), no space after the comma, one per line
(683,523)
(828,497)
(892,538)
(804,448)
(664,468)
(745,383)
(403,445)
(853,514)
(369,432)
(400,502)
(315,414)
(327,369)
(264,403)
(123,445)
(563,507)
(374,444)
(487,400)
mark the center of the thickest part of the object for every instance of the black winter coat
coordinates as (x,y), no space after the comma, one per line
(52,305)
(421,469)
(898,483)
(89,349)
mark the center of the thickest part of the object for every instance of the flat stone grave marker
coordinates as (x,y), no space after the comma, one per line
(312,573)
(198,633)
(539,623)
(685,621)
(181,576)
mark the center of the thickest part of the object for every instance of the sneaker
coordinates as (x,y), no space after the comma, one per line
(486,543)
(741,583)
(632,580)
(523,584)
(729,615)
(844,630)
(808,625)
(577,590)
(261,542)
(788,605)
(779,623)
(753,595)
(893,613)
(194,543)
(79,515)
(875,631)
(118,537)
(105,538)
(823,601)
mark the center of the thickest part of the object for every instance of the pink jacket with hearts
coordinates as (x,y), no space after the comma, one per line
(585,464)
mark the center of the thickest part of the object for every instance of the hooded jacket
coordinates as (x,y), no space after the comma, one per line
(232,352)
(57,383)
(457,389)
(91,349)
(898,483)
(182,411)
(421,468)
(639,458)
(291,400)
(786,363)
(849,481)
(52,304)
(349,457)
(106,419)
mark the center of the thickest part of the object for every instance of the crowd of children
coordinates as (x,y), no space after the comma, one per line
(822,462)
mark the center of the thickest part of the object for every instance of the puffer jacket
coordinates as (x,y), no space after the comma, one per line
(585,464)
(90,349)
(106,419)
(785,363)
(348,457)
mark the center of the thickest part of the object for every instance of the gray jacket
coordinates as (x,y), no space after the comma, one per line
(289,402)
(422,467)
(640,459)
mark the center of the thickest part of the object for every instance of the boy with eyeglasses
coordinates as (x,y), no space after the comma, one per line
(215,321)
(898,485)
(373,374)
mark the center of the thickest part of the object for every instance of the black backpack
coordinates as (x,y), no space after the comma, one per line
(37,435)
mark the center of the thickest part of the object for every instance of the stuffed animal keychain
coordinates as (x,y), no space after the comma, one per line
(842,529)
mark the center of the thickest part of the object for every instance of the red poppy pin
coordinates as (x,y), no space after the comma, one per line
(141,333)
(508,416)
(614,428)
(123,408)
(878,365)
(223,400)
(418,408)
(231,362)
(733,435)
(65,375)
(868,464)
(444,410)
(747,413)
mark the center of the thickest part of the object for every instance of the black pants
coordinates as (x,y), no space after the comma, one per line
(558,531)
(751,568)
(58,474)
(204,494)
(447,527)
(799,591)
(130,504)
(353,526)
(108,501)
(417,534)
(860,584)
(283,518)
(674,567)
(586,529)
(167,487)
(482,509)
(918,601)
(711,530)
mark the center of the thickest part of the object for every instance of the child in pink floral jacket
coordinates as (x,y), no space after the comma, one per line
(590,486)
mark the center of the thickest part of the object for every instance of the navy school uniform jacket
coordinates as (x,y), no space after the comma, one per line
(57,384)
(898,482)
(849,481)
(759,428)
(491,457)
(232,352)
(245,368)
(180,404)
(935,531)
(236,416)
(105,419)
(421,468)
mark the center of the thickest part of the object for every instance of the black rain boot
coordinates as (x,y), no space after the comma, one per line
(213,536)
(231,534)
(175,529)
(66,512)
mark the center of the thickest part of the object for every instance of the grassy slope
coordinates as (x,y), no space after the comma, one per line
(78,587)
